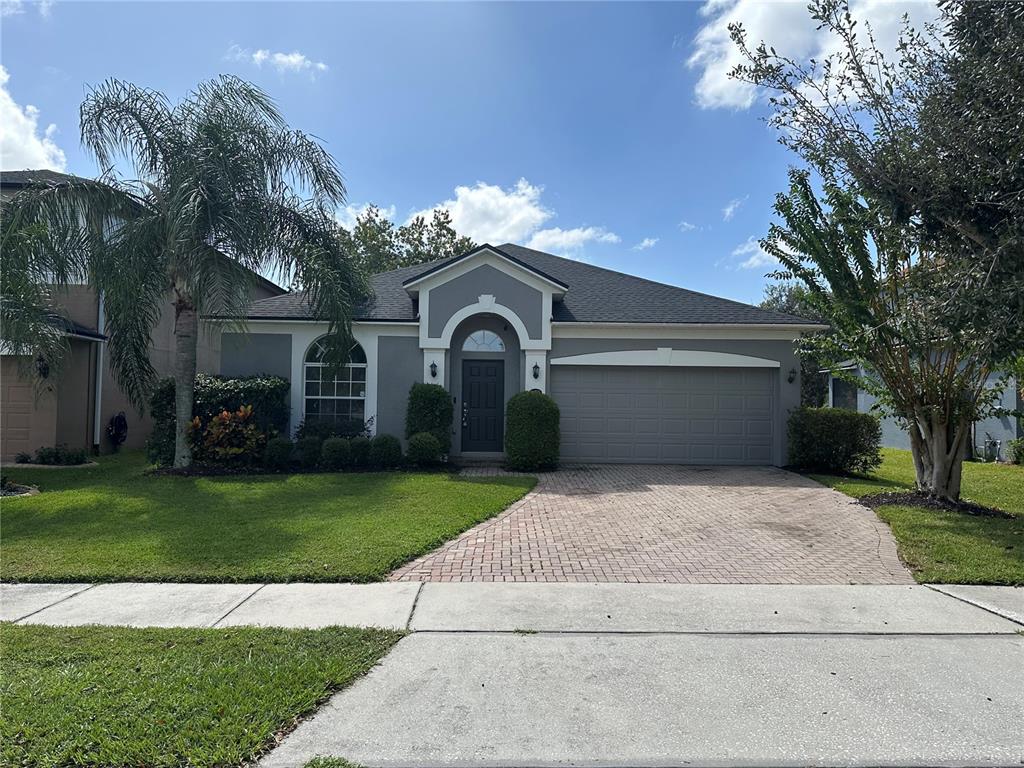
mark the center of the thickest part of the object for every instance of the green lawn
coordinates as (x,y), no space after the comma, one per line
(117,523)
(114,696)
(952,547)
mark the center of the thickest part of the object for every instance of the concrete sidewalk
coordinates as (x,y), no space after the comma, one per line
(483,607)
(628,674)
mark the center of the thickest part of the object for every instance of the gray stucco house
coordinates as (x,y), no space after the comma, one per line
(991,435)
(642,371)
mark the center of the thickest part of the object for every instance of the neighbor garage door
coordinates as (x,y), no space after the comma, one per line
(665,415)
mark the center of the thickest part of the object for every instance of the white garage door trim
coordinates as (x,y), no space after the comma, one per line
(666,356)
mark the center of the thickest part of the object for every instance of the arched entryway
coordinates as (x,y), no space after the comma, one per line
(485,371)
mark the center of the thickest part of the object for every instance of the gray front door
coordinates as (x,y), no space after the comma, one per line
(483,405)
(666,415)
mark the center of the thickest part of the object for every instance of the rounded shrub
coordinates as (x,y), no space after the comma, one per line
(385,451)
(532,436)
(834,440)
(430,410)
(277,455)
(309,451)
(335,453)
(424,450)
(1015,451)
(359,447)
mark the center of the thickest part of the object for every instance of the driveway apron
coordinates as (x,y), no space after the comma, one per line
(672,524)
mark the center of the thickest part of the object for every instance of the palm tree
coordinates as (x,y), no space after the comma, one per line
(221,189)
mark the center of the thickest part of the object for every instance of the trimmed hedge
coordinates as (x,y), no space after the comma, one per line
(424,450)
(430,410)
(360,448)
(385,451)
(308,449)
(268,396)
(1015,451)
(532,435)
(278,453)
(335,453)
(57,456)
(834,440)
(347,428)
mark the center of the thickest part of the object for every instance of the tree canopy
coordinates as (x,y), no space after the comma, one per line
(376,244)
(906,227)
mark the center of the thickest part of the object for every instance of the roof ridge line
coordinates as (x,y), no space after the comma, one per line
(657,282)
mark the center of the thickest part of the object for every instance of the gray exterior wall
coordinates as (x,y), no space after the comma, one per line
(787,395)
(512,356)
(399,366)
(1001,428)
(249,354)
(449,298)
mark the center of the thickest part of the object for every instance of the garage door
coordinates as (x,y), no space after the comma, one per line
(665,415)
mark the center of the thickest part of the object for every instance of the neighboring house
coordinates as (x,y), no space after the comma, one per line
(642,371)
(990,437)
(75,407)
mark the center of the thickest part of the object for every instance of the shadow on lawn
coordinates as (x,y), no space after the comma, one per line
(126,525)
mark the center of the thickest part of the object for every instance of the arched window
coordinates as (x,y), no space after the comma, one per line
(483,341)
(338,398)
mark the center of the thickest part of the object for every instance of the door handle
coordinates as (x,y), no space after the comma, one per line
(465,414)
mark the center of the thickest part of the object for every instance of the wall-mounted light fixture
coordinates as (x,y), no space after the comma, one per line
(536,371)
(792,375)
(433,370)
(42,367)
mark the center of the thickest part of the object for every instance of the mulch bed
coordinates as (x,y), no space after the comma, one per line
(219,470)
(13,489)
(917,499)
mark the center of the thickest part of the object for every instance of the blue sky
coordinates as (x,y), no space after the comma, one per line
(606,132)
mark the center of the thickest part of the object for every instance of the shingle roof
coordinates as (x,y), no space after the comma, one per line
(594,295)
(40,176)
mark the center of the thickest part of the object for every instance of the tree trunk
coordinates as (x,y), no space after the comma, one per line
(938,456)
(185,326)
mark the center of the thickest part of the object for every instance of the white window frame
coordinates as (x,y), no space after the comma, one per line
(483,331)
(347,368)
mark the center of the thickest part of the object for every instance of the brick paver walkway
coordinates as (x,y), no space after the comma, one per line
(749,525)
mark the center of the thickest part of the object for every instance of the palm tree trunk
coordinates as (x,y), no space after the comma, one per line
(185,326)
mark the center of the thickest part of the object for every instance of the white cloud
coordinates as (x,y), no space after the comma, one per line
(647,242)
(732,206)
(788,27)
(756,255)
(16,7)
(685,226)
(489,213)
(21,145)
(568,241)
(347,216)
(284,63)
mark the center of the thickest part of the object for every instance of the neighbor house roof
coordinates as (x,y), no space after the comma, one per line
(72,328)
(25,178)
(45,177)
(593,295)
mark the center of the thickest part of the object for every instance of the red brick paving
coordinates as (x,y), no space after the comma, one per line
(679,524)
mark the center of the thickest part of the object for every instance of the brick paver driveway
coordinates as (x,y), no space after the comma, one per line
(756,525)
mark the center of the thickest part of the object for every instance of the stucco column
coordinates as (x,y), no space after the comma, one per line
(436,356)
(540,359)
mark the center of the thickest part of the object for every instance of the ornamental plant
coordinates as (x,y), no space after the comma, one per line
(430,410)
(532,434)
(230,437)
